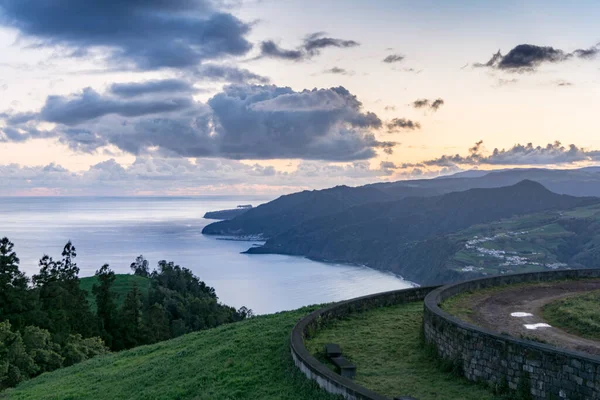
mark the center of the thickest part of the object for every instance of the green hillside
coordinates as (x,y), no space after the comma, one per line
(122,285)
(535,242)
(244,360)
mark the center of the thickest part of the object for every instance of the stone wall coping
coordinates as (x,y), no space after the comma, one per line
(439,295)
(300,353)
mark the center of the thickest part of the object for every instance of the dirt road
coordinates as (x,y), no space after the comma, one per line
(493,311)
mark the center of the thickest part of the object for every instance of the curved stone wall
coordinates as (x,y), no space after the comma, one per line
(545,371)
(315,370)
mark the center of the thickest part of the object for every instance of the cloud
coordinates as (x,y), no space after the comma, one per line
(426,103)
(143,35)
(393,58)
(437,103)
(527,57)
(241,122)
(269,48)
(564,83)
(505,82)
(338,71)
(402,123)
(152,175)
(89,105)
(312,45)
(134,89)
(518,155)
(229,74)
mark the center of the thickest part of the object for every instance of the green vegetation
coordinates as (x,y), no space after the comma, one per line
(578,314)
(245,360)
(459,235)
(534,242)
(50,324)
(386,346)
(122,285)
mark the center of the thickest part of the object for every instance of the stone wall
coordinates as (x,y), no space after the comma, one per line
(545,371)
(315,370)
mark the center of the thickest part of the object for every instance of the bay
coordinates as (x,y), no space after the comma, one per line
(115,230)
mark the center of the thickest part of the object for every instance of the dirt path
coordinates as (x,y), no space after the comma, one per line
(493,311)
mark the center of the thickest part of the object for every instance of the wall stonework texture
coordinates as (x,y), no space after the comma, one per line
(545,371)
(315,370)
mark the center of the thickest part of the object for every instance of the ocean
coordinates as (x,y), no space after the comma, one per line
(116,230)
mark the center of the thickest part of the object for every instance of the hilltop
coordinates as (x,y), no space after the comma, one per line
(122,285)
(289,211)
(408,236)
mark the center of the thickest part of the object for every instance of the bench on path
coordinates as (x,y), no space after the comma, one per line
(334,353)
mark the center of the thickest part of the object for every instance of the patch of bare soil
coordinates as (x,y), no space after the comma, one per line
(493,312)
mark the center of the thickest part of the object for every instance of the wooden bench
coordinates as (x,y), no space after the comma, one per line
(347,369)
(334,353)
(332,350)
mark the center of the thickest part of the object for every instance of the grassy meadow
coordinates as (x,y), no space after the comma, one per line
(386,346)
(245,360)
(578,314)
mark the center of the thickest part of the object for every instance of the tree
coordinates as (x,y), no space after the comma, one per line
(78,349)
(244,312)
(14,296)
(63,303)
(130,321)
(157,324)
(15,364)
(44,352)
(140,267)
(105,304)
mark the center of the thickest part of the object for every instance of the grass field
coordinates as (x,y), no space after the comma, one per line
(579,314)
(122,285)
(246,360)
(386,346)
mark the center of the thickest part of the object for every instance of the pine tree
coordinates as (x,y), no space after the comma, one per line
(140,267)
(63,303)
(14,296)
(105,304)
(131,321)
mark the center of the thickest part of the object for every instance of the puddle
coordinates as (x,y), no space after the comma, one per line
(536,326)
(521,314)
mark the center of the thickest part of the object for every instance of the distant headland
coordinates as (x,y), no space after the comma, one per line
(228,214)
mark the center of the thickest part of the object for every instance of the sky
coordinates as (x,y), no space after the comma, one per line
(198,97)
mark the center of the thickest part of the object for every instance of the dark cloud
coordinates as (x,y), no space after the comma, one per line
(338,71)
(138,34)
(393,58)
(241,122)
(527,57)
(316,42)
(390,108)
(229,74)
(134,89)
(89,105)
(426,103)
(402,123)
(588,53)
(387,165)
(436,104)
(269,48)
(553,153)
(311,46)
(420,103)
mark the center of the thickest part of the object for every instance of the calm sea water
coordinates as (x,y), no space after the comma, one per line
(116,230)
